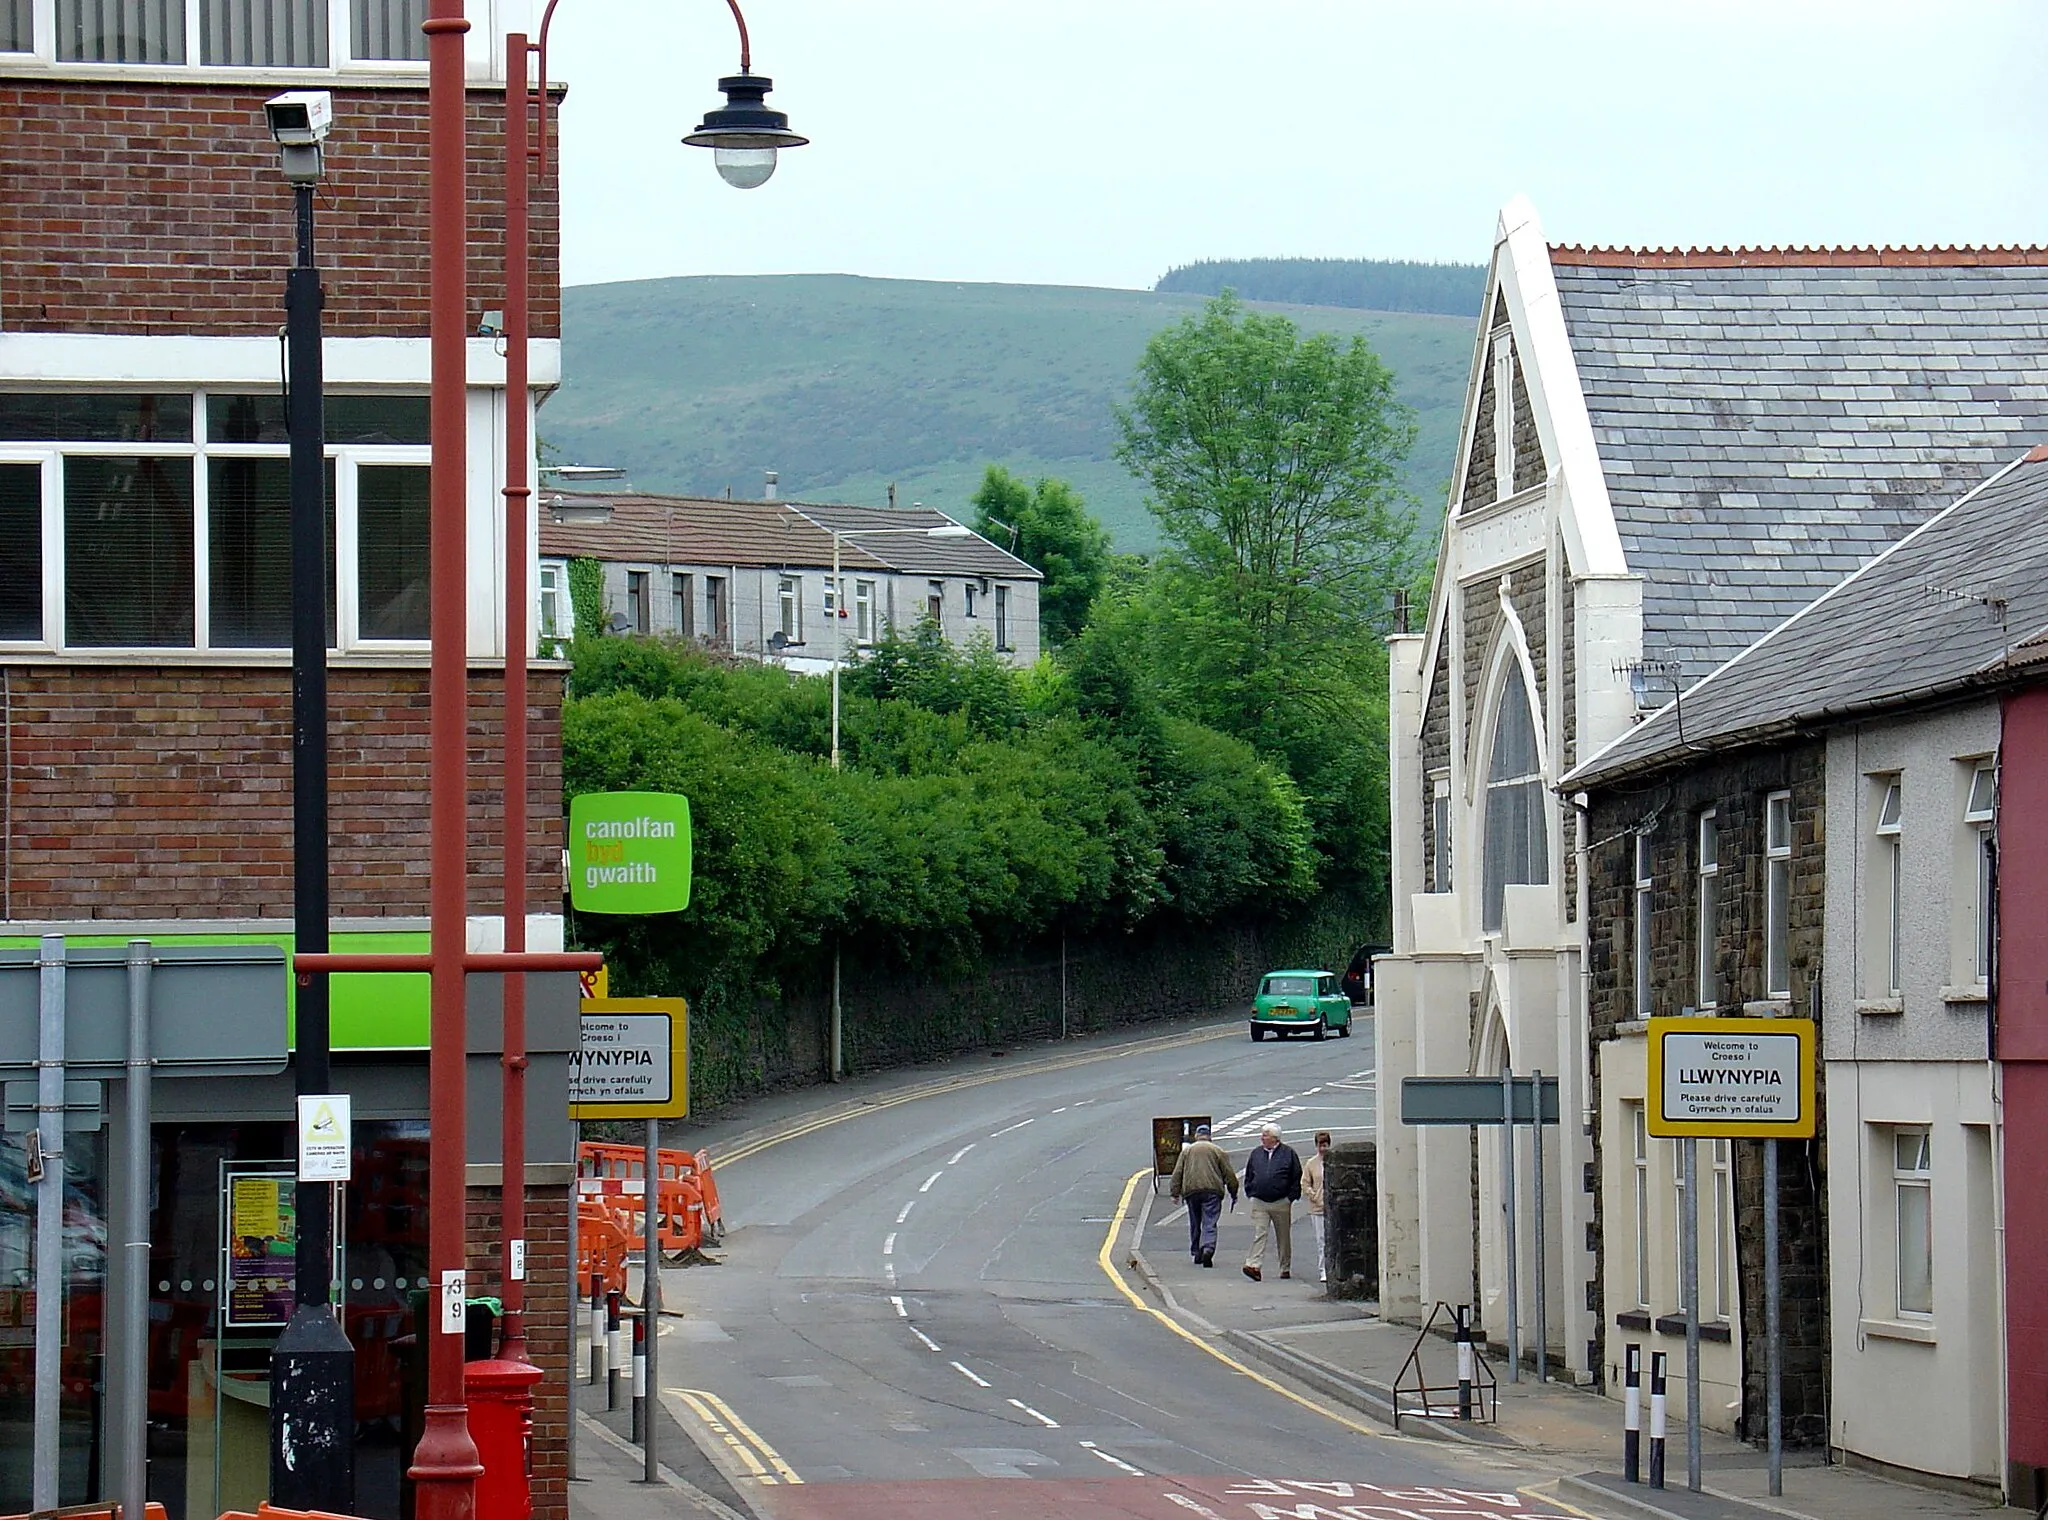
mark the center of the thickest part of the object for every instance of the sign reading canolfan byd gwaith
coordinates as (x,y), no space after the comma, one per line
(1731,1078)
(629,852)
(633,1062)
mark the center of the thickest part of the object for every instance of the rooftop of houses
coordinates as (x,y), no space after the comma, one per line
(1768,419)
(696,530)
(1961,602)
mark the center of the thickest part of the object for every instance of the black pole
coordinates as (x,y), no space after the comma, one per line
(312,1370)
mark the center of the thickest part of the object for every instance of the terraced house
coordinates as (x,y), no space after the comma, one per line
(145,695)
(1664,455)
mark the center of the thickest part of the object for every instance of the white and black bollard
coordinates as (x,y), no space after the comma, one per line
(597,1329)
(1632,1413)
(1465,1367)
(615,1349)
(640,1379)
(1656,1419)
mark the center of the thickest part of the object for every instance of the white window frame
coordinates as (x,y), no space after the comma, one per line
(1723,1203)
(1890,873)
(864,618)
(718,609)
(550,597)
(1908,1179)
(682,587)
(1503,412)
(1707,909)
(967,590)
(789,596)
(1778,895)
(639,596)
(1002,595)
(1980,819)
(43,47)
(1441,859)
(1639,1129)
(1645,852)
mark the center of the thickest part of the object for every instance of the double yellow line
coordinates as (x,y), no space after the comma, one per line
(762,1462)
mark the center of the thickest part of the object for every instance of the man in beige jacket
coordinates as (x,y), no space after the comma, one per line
(1312,1190)
(1200,1178)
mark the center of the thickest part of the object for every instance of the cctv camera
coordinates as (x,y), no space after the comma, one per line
(300,118)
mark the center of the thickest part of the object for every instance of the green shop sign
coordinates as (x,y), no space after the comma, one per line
(629,852)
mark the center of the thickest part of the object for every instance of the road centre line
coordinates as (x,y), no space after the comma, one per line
(889,1271)
(889,1244)
(954,1159)
(1136,1472)
(935,1176)
(971,1376)
(906,1211)
(1018,1125)
(716,1413)
(1044,1419)
(929,1343)
(901,1312)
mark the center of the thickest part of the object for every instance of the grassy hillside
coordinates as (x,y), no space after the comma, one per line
(844,384)
(1369,284)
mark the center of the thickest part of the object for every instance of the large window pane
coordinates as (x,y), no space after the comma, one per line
(388,29)
(248,513)
(391,551)
(128,571)
(14,19)
(1517,848)
(21,551)
(94,417)
(121,31)
(290,34)
(260,418)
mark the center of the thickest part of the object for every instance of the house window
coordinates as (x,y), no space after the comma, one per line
(935,600)
(1888,873)
(1003,617)
(682,611)
(790,596)
(1708,920)
(129,578)
(717,623)
(391,568)
(21,552)
(1980,814)
(1912,1193)
(1517,841)
(268,34)
(14,26)
(289,34)
(249,552)
(1640,1129)
(637,610)
(1724,1229)
(1778,895)
(1440,824)
(864,611)
(967,593)
(550,601)
(1642,925)
(388,30)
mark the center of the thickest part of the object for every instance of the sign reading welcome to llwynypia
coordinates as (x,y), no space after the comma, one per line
(629,852)
(1731,1078)
(634,1060)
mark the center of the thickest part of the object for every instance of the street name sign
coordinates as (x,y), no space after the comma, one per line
(629,852)
(633,1062)
(1727,1079)
(1473,1100)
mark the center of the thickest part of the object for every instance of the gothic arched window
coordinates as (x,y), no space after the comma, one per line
(1517,843)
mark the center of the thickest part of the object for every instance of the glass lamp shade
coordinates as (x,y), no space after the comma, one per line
(744,168)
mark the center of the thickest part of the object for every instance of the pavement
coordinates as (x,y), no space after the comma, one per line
(1348,1356)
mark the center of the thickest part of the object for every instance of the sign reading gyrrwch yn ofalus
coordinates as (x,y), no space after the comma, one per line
(1731,1078)
(629,852)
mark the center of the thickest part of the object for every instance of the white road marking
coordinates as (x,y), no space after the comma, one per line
(1018,1125)
(935,1176)
(929,1343)
(968,1373)
(1044,1419)
(1061,1109)
(889,1271)
(1178,1210)
(1136,1472)
(901,1312)
(889,1244)
(1201,1509)
(954,1159)
(906,1211)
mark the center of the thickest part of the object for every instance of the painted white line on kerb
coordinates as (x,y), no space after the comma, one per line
(969,1374)
(935,1176)
(901,1312)
(929,1343)
(954,1159)
(1136,1472)
(905,1214)
(1018,1125)
(1044,1419)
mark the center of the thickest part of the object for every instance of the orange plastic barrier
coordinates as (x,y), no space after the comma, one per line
(688,1213)
(269,1511)
(601,1247)
(151,1511)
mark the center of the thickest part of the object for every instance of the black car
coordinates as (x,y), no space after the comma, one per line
(1356,982)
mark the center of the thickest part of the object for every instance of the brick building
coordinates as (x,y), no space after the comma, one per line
(145,703)
(1664,454)
(1810,832)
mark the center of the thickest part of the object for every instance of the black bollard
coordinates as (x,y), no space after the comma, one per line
(1632,1413)
(615,1349)
(1656,1419)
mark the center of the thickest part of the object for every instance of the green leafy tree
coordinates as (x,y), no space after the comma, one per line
(1056,535)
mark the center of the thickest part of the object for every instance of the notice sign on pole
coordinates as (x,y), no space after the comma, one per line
(323,1137)
(629,852)
(1731,1078)
(634,1060)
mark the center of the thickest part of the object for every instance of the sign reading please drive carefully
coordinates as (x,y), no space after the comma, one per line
(1731,1078)
(629,852)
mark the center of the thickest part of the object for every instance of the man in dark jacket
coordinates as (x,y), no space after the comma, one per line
(1199,1180)
(1272,1181)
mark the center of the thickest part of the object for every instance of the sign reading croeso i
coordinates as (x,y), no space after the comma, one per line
(629,852)
(1731,1078)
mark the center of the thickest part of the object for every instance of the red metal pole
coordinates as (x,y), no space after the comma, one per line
(517,618)
(445,1465)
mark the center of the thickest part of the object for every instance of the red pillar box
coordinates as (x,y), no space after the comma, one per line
(501,1424)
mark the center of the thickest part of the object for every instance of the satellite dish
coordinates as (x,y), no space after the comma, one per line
(778,641)
(617,623)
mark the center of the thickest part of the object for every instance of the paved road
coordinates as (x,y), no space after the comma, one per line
(919,1314)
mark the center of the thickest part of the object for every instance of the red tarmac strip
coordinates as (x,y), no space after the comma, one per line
(1212,1497)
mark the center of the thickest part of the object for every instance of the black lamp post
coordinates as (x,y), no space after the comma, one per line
(312,1368)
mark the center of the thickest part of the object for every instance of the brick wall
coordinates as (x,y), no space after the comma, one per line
(1479,485)
(547,1323)
(159,209)
(1530,469)
(1735,788)
(140,791)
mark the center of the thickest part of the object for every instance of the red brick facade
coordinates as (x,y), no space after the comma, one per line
(158,209)
(547,1324)
(140,791)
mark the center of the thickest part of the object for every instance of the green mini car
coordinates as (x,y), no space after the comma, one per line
(1290,1002)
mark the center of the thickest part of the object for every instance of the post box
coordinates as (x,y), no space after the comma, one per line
(501,1424)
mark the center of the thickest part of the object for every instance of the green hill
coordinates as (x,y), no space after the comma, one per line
(844,385)
(1369,284)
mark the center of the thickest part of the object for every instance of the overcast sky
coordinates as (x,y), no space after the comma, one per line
(1099,142)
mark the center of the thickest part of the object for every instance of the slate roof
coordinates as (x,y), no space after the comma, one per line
(1959,603)
(893,540)
(1767,420)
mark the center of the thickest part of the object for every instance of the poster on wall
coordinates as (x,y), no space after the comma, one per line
(260,1242)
